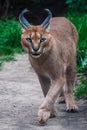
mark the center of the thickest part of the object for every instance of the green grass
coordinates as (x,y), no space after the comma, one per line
(6,58)
(1,64)
(80,21)
(10,32)
(81,90)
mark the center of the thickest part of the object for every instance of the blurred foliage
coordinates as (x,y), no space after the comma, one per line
(81,90)
(81,23)
(10,31)
(79,19)
(77,5)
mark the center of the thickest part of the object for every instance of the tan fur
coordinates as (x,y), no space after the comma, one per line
(55,67)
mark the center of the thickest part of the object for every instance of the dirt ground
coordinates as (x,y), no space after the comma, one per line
(20,97)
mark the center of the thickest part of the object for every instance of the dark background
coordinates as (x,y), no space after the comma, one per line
(58,7)
(13,7)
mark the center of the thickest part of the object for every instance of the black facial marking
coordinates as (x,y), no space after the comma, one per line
(42,39)
(29,40)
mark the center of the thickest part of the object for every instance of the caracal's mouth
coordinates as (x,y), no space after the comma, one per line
(35,55)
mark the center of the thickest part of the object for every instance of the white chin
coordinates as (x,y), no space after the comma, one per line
(36,56)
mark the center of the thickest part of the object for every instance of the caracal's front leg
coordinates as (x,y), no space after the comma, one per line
(45,85)
(48,103)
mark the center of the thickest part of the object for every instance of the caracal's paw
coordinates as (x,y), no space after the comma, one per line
(72,108)
(43,115)
(53,114)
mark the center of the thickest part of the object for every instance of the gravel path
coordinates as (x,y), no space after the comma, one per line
(20,97)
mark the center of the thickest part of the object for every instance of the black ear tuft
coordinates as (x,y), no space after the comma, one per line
(22,19)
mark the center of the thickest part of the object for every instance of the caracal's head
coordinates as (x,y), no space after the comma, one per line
(36,38)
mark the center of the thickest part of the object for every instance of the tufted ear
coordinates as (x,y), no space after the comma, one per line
(24,22)
(23,29)
(48,28)
(46,22)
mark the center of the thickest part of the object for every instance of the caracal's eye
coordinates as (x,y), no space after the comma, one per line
(42,39)
(29,39)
